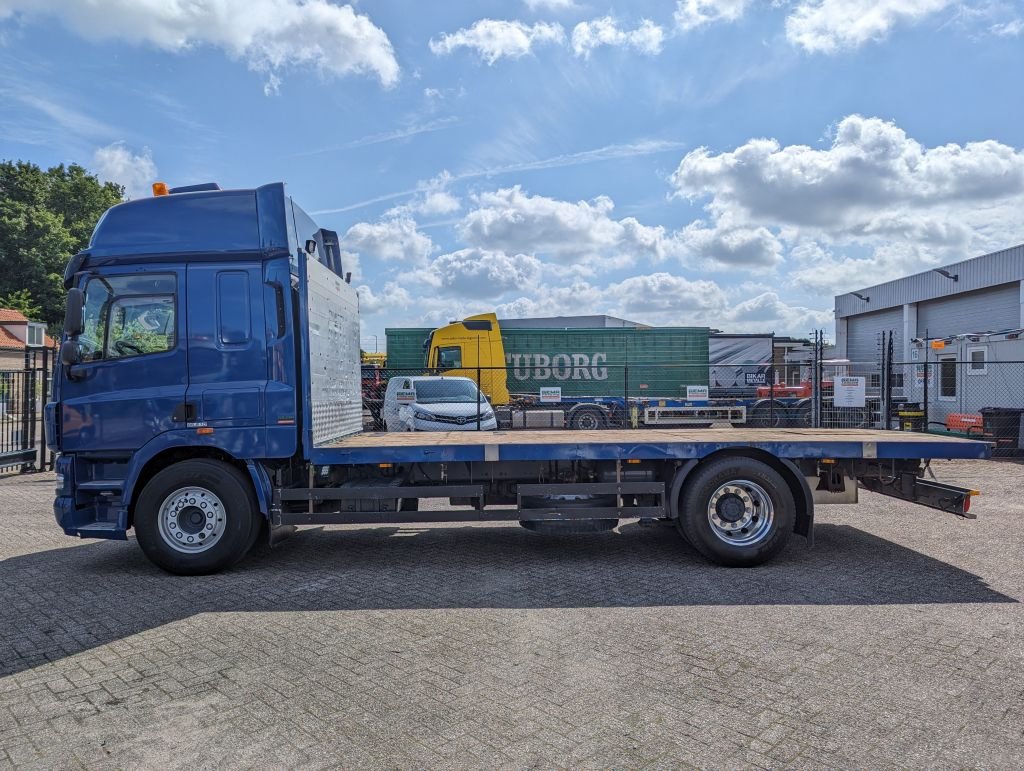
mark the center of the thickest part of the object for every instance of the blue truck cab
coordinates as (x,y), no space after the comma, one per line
(186,346)
(208,392)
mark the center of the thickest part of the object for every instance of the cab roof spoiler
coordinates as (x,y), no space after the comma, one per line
(200,188)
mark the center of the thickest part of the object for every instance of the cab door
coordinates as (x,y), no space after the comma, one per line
(227,345)
(129,385)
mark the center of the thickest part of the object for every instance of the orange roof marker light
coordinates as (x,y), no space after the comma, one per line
(159,188)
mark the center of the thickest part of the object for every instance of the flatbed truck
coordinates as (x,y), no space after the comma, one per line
(208,395)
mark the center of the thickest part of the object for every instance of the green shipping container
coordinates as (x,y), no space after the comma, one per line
(405,347)
(661,361)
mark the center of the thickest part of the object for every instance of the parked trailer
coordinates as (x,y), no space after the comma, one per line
(620,377)
(209,395)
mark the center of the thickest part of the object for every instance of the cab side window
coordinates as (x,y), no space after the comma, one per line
(449,358)
(128,316)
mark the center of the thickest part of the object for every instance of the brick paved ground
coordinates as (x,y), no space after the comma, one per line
(896,641)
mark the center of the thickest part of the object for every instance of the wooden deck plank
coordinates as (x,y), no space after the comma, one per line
(634,436)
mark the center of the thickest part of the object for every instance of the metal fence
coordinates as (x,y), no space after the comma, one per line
(977,399)
(553,395)
(23,392)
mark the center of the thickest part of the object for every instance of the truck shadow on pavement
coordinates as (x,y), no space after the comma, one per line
(60,602)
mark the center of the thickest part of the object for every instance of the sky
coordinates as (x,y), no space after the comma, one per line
(722,163)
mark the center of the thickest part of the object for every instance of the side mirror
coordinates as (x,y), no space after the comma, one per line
(73,317)
(70,353)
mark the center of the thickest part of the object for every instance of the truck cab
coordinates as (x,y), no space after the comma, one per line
(180,342)
(471,348)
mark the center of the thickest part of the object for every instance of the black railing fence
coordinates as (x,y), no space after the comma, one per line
(23,392)
(614,395)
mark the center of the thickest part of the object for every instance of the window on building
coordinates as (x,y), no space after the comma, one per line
(977,361)
(35,335)
(947,378)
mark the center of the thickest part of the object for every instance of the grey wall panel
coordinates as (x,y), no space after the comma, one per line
(981,272)
(862,336)
(987,310)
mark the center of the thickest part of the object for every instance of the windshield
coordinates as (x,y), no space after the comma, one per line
(445,391)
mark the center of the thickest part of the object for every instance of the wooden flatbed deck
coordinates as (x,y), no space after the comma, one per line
(644,444)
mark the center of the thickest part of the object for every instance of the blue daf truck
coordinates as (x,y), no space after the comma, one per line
(208,396)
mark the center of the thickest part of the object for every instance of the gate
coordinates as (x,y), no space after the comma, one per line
(23,392)
(867,375)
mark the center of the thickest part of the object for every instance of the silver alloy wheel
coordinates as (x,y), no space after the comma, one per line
(741,513)
(191,519)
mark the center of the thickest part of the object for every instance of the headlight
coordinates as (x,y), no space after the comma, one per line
(420,415)
(487,413)
(59,483)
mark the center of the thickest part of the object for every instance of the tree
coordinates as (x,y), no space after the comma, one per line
(45,217)
(22,301)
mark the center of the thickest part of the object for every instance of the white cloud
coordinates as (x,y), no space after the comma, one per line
(431,198)
(393,238)
(269,35)
(435,198)
(136,172)
(826,26)
(1012,28)
(873,206)
(768,313)
(512,221)
(588,35)
(391,299)
(739,246)
(665,295)
(550,5)
(664,299)
(873,182)
(478,273)
(493,39)
(693,14)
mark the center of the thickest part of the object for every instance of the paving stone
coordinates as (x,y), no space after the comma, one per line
(895,641)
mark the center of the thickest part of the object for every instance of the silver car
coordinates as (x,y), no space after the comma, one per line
(434,403)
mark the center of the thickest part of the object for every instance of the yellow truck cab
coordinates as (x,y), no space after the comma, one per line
(472,348)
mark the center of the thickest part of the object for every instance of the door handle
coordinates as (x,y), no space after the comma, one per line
(185,412)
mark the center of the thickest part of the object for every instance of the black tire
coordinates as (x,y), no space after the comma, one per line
(241,523)
(588,419)
(767,414)
(754,477)
(801,416)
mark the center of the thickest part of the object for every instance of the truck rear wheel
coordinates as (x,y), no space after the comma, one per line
(802,416)
(588,419)
(736,511)
(769,413)
(197,517)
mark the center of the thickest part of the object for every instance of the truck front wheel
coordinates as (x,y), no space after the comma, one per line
(736,511)
(197,517)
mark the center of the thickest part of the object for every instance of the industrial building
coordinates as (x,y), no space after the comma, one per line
(983,294)
(957,342)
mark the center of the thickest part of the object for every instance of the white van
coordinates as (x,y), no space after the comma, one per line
(432,403)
